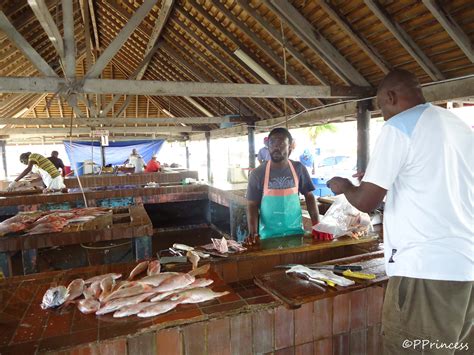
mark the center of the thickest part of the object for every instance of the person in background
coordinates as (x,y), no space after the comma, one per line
(137,161)
(153,165)
(51,177)
(263,154)
(58,163)
(273,204)
(308,161)
(422,161)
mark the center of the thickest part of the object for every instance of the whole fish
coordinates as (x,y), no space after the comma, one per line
(195,284)
(128,291)
(175,282)
(133,309)
(93,291)
(75,289)
(193,258)
(101,277)
(54,297)
(154,268)
(106,285)
(88,306)
(138,269)
(122,302)
(156,280)
(158,308)
(197,295)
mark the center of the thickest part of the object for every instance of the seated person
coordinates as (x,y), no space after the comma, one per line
(153,165)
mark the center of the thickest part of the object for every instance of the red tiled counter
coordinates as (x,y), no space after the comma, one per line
(130,179)
(246,321)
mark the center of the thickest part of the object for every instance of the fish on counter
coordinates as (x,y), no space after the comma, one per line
(132,309)
(19,223)
(175,283)
(137,270)
(154,268)
(194,258)
(197,295)
(198,283)
(158,308)
(128,292)
(54,297)
(88,306)
(75,289)
(101,277)
(118,303)
(156,280)
(106,285)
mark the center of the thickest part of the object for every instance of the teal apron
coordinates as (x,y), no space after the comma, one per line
(280,210)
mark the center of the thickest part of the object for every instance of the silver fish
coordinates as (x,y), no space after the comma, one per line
(75,289)
(197,295)
(88,306)
(122,302)
(54,297)
(133,309)
(175,282)
(156,280)
(159,308)
(101,277)
(154,268)
(138,269)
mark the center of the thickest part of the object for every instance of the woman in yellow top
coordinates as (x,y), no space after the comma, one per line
(51,176)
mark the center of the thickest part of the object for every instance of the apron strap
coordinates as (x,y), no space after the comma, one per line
(280,192)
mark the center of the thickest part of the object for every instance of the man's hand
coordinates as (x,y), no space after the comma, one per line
(12,186)
(359,175)
(339,185)
(252,239)
(321,235)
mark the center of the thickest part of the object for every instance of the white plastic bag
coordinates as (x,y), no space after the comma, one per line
(344,219)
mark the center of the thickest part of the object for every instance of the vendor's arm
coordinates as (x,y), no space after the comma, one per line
(254,198)
(312,207)
(252,221)
(25,172)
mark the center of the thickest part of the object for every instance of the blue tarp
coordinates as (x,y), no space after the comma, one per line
(116,153)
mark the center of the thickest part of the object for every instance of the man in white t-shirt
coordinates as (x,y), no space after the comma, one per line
(137,161)
(423,162)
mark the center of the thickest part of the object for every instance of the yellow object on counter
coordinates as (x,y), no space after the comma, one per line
(358,275)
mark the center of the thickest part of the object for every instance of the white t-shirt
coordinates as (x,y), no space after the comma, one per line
(138,162)
(424,158)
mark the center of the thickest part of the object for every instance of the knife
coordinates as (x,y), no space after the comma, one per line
(323,267)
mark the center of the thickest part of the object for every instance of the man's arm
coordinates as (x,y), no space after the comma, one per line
(61,165)
(365,197)
(312,207)
(252,217)
(25,172)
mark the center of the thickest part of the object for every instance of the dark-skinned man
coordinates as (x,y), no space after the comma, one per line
(273,204)
(422,162)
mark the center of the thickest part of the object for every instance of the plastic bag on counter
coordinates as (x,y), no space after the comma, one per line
(344,219)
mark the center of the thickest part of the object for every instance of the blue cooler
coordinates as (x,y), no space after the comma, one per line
(320,188)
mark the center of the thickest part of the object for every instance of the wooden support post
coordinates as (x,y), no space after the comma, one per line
(363,129)
(142,248)
(187,156)
(208,144)
(102,153)
(29,258)
(251,137)
(4,158)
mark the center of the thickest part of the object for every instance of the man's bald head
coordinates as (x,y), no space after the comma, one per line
(400,90)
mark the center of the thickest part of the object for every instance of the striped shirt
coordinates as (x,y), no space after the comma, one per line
(44,163)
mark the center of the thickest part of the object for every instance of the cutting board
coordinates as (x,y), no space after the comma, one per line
(294,291)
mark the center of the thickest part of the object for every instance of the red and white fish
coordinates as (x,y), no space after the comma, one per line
(138,269)
(154,268)
(175,282)
(88,306)
(118,303)
(156,280)
(197,295)
(158,308)
(128,292)
(101,277)
(133,309)
(195,284)
(75,289)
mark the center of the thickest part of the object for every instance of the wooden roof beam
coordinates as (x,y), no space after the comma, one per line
(47,22)
(167,88)
(87,130)
(69,41)
(450,26)
(121,38)
(277,37)
(329,54)
(342,22)
(405,40)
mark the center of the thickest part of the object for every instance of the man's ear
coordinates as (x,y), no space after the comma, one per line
(392,97)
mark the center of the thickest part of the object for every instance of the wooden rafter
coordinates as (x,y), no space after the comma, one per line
(112,122)
(453,29)
(317,42)
(405,40)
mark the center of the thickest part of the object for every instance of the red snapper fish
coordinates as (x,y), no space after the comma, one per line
(154,268)
(158,308)
(88,306)
(118,303)
(175,282)
(195,284)
(197,295)
(156,280)
(138,269)
(75,289)
(101,277)
(133,309)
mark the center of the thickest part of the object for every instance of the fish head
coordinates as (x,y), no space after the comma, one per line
(54,297)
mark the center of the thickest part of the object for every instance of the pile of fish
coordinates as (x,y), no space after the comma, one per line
(154,294)
(48,221)
(224,245)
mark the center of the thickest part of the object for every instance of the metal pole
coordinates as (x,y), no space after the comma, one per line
(102,153)
(208,144)
(363,129)
(4,158)
(251,132)
(187,156)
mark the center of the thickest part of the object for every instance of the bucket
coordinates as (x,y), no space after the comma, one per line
(321,188)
